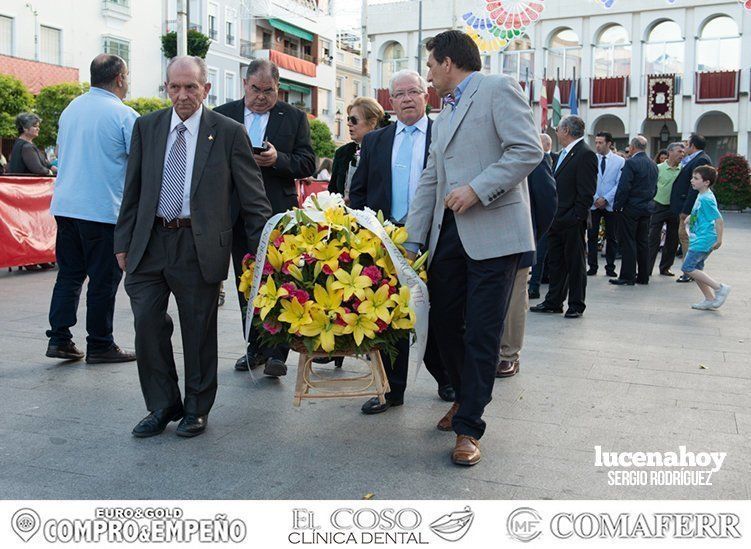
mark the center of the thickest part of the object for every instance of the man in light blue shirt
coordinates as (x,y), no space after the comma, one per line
(609,166)
(93,145)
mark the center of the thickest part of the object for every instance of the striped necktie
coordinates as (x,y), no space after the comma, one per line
(173,180)
(400,176)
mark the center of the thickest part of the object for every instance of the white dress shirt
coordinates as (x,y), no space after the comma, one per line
(418,151)
(264,121)
(564,152)
(191,139)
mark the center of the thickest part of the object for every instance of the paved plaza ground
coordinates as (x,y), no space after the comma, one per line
(640,372)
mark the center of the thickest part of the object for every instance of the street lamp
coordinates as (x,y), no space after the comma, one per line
(664,134)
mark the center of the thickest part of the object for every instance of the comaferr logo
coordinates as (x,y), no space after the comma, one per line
(657,525)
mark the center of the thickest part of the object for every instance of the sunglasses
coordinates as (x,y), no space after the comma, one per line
(353,120)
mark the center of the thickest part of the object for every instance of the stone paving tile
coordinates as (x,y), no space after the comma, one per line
(625,377)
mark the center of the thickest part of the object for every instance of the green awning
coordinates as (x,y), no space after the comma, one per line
(289,86)
(291,29)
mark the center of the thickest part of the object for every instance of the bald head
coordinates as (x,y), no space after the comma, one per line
(188,63)
(547,142)
(638,144)
(109,72)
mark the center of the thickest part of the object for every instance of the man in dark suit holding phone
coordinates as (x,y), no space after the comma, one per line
(280,135)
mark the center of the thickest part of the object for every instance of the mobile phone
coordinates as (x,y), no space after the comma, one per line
(259,150)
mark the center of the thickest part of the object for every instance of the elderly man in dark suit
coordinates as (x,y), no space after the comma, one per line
(576,181)
(633,200)
(173,236)
(391,162)
(283,131)
(682,195)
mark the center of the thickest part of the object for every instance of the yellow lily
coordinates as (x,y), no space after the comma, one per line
(309,237)
(353,283)
(376,304)
(403,316)
(275,258)
(398,235)
(361,243)
(295,314)
(268,295)
(290,248)
(360,326)
(328,298)
(338,218)
(327,253)
(323,328)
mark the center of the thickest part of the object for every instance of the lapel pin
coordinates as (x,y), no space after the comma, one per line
(211,137)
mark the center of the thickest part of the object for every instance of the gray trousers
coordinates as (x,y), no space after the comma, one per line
(170,266)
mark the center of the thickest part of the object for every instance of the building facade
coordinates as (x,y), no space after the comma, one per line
(350,82)
(702,48)
(70,34)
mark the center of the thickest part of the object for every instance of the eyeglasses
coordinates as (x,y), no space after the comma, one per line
(353,120)
(411,93)
(257,91)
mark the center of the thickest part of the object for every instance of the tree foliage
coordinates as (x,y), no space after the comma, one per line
(145,105)
(50,103)
(320,136)
(14,99)
(733,186)
(198,44)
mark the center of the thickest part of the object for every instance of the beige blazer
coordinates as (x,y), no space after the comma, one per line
(491,143)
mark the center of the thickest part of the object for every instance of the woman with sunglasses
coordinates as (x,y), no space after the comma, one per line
(364,115)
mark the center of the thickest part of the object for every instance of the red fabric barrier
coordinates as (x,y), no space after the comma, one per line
(306,187)
(27,229)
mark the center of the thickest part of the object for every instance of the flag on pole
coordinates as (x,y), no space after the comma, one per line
(543,107)
(573,102)
(556,106)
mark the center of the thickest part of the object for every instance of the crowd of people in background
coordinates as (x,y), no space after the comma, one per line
(170,198)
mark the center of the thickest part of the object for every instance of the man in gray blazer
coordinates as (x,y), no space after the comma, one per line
(174,236)
(473,201)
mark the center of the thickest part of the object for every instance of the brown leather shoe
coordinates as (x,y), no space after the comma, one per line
(466,451)
(507,368)
(445,423)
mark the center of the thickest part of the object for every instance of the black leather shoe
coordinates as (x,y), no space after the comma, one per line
(447,393)
(112,355)
(533,294)
(157,421)
(372,406)
(242,363)
(545,308)
(667,272)
(621,282)
(592,272)
(275,368)
(192,425)
(611,273)
(573,314)
(66,351)
(682,279)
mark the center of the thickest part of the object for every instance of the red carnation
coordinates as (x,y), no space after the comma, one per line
(381,325)
(344,257)
(268,269)
(373,273)
(328,270)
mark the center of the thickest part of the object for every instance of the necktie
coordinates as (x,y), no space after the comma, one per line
(400,176)
(561,156)
(450,100)
(173,180)
(255,132)
(602,166)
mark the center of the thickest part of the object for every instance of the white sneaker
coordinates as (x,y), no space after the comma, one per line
(720,296)
(705,305)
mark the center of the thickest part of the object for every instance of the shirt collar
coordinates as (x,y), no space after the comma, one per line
(100,91)
(572,145)
(607,156)
(191,123)
(462,86)
(248,112)
(421,125)
(689,158)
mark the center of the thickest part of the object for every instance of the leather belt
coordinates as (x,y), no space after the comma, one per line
(177,223)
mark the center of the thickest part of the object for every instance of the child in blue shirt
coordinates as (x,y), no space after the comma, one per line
(705,227)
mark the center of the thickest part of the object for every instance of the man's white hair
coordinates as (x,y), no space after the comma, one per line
(400,75)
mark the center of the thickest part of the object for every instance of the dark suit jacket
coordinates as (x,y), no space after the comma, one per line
(340,165)
(223,165)
(288,130)
(576,182)
(683,196)
(543,203)
(371,184)
(637,186)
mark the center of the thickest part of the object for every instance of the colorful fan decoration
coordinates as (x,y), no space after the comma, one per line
(488,36)
(486,42)
(611,3)
(746,4)
(514,14)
